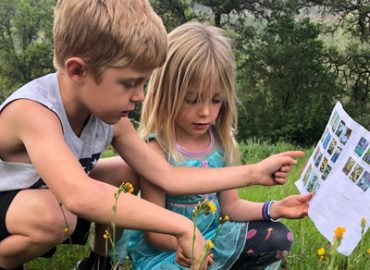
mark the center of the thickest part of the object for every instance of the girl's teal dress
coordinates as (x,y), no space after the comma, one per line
(229,242)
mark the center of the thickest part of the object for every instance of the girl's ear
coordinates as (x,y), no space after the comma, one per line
(75,68)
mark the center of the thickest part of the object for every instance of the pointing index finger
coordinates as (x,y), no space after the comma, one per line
(293,154)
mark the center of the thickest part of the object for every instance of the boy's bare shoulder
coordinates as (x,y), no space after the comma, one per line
(25,113)
(23,121)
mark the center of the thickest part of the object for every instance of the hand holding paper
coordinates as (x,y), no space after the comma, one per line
(292,207)
(338,175)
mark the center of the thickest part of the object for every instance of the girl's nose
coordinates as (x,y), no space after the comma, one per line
(204,109)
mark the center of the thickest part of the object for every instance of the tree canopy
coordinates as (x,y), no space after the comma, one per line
(295,58)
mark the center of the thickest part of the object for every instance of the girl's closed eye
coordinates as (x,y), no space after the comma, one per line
(195,99)
(192,99)
(216,100)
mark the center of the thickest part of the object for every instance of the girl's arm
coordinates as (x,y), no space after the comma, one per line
(156,169)
(293,207)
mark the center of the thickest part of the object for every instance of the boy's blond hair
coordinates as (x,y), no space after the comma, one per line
(109,33)
(200,58)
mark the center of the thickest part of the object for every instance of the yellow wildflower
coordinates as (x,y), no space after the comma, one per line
(368,251)
(212,207)
(210,244)
(106,235)
(204,207)
(363,222)
(363,225)
(128,188)
(321,251)
(224,219)
(338,233)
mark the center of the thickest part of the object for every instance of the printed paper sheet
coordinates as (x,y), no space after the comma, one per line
(338,174)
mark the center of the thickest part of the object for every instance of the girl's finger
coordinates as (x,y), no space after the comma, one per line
(280,180)
(285,168)
(280,175)
(293,154)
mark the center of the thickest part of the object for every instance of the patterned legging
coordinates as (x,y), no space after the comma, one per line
(267,242)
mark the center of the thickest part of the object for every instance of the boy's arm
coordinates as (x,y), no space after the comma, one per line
(157,196)
(39,130)
(156,169)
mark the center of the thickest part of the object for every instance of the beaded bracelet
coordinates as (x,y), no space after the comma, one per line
(266,211)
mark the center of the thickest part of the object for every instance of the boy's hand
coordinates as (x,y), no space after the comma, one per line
(292,207)
(275,169)
(184,250)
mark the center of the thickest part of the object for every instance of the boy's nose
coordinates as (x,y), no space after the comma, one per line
(138,95)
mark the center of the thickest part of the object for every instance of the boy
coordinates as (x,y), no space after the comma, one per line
(54,129)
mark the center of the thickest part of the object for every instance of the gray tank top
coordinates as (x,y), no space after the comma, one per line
(95,136)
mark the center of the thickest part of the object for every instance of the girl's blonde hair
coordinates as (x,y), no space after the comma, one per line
(109,33)
(200,57)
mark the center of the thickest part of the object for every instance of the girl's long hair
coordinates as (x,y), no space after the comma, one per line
(200,57)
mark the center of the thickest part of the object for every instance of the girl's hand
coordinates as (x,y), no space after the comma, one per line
(184,250)
(275,169)
(292,207)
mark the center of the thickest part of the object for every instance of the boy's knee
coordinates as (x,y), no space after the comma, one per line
(55,228)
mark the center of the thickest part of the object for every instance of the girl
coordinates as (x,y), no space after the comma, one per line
(189,116)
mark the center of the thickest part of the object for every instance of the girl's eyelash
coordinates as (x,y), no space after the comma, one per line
(191,101)
(195,101)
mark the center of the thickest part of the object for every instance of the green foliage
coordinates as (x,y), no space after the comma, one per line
(288,78)
(25,42)
(351,64)
(354,14)
(355,76)
(286,91)
(173,12)
(348,55)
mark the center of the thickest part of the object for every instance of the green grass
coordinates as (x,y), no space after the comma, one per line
(307,240)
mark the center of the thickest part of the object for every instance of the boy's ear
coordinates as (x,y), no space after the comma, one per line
(76,68)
